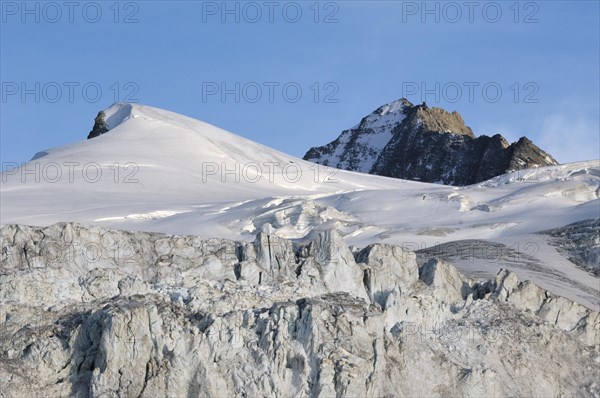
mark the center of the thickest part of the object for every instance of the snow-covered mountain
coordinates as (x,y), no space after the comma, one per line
(158,171)
(425,144)
(168,257)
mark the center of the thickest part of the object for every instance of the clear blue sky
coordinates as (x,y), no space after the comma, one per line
(361,54)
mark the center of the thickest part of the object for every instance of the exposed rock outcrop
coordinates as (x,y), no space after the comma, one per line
(87,311)
(100,126)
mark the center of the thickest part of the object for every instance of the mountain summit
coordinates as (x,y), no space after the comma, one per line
(426,144)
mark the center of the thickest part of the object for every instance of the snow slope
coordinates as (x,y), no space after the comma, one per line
(163,172)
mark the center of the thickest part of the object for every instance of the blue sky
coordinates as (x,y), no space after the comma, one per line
(533,67)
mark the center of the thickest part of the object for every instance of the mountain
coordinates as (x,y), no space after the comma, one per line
(150,151)
(158,171)
(426,144)
(168,257)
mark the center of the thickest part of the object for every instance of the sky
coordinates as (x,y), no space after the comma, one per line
(294,74)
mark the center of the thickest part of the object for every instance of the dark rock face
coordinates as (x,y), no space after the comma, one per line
(99,126)
(426,144)
(580,243)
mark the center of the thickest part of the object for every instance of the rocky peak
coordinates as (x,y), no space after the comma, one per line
(393,107)
(525,154)
(441,121)
(359,147)
(386,115)
(426,144)
(99,126)
(113,116)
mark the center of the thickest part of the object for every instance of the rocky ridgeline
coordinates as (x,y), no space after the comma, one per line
(87,311)
(416,142)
